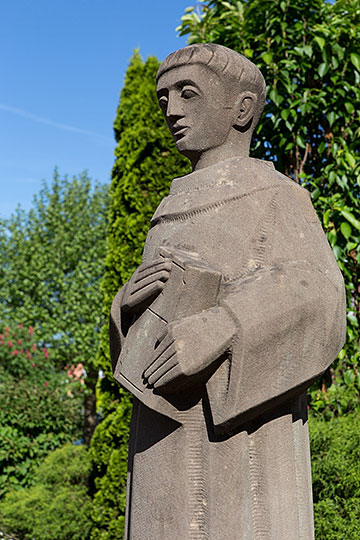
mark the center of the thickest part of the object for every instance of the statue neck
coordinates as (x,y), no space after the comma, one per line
(233,147)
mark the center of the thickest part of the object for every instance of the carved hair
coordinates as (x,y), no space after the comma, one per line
(226,63)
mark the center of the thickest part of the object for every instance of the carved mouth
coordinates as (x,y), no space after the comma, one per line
(179,131)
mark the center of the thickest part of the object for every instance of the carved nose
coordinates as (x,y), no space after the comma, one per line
(174,108)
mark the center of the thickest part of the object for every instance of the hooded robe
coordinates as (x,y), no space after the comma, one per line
(228,458)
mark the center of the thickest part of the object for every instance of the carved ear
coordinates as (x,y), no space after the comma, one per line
(245,110)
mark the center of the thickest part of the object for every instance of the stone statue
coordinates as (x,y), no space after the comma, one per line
(237,307)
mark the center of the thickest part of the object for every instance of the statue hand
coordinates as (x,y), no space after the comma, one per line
(145,285)
(187,348)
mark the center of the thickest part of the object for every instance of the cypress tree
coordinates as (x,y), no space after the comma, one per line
(146,161)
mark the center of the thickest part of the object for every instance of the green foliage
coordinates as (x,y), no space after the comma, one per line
(308,52)
(109,454)
(40,409)
(145,163)
(51,261)
(335,449)
(58,505)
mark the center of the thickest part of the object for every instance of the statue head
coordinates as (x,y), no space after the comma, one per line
(212,98)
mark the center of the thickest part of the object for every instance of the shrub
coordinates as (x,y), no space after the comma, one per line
(335,452)
(40,409)
(58,505)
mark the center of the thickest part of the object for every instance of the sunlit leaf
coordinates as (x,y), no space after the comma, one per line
(323,69)
(349,376)
(345,228)
(349,107)
(355,59)
(331,117)
(267,57)
(350,159)
(320,41)
(351,219)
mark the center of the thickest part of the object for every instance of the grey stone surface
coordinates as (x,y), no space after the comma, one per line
(237,308)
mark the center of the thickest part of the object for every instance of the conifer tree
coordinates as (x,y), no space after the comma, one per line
(146,161)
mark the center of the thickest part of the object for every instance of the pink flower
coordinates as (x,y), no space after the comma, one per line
(28,355)
(14,353)
(31,330)
(7,329)
(46,354)
(46,384)
(33,365)
(1,336)
(34,347)
(20,325)
(18,341)
(10,343)
(22,351)
(2,342)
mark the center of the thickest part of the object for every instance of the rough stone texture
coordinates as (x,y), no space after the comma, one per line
(237,308)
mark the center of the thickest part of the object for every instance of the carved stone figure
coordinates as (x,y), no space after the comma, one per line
(237,307)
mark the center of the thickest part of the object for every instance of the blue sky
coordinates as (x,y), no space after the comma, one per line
(62,66)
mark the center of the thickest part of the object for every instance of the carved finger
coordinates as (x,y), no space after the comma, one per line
(162,354)
(169,376)
(143,294)
(163,369)
(158,276)
(158,266)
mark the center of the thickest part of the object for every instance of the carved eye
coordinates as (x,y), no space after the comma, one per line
(163,102)
(188,93)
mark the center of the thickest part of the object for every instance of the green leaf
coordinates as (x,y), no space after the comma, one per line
(300,141)
(323,69)
(355,59)
(308,50)
(320,41)
(285,114)
(345,228)
(326,217)
(332,237)
(337,252)
(351,219)
(351,317)
(267,57)
(349,107)
(321,147)
(315,194)
(349,376)
(350,159)
(276,97)
(331,117)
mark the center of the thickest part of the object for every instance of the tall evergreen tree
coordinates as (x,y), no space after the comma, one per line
(146,161)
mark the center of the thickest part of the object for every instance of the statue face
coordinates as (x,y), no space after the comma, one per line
(193,99)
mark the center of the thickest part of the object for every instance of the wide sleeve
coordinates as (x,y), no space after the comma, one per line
(290,319)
